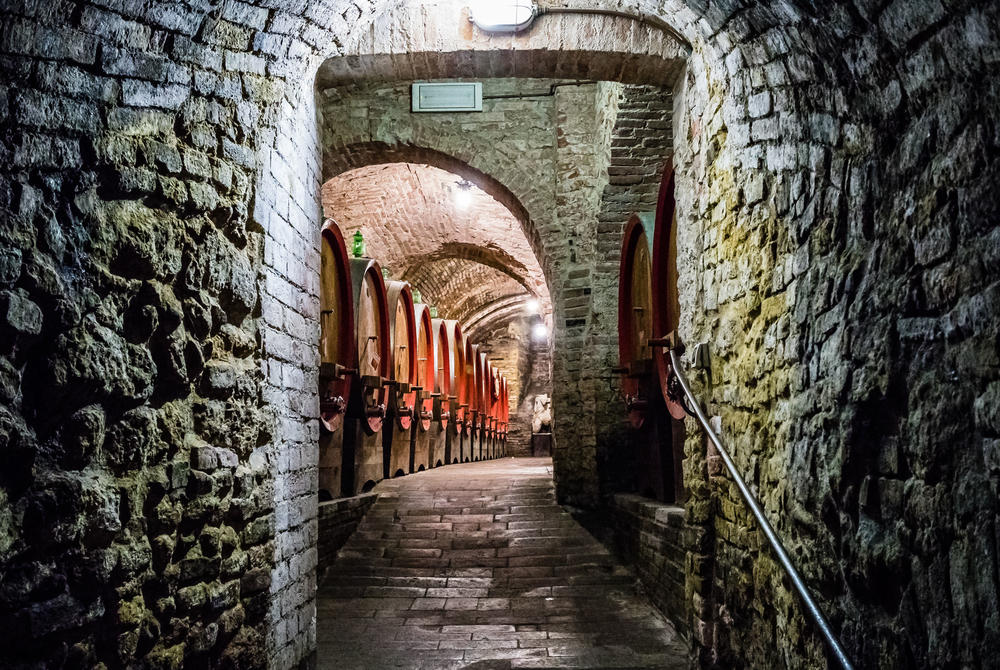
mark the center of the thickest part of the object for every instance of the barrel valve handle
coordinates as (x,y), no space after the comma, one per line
(634,403)
(334,404)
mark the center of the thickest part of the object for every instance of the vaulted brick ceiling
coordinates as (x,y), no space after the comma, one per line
(473,262)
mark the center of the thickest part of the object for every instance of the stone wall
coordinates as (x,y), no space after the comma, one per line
(640,142)
(287,208)
(651,536)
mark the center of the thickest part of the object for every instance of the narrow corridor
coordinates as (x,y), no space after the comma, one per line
(476,566)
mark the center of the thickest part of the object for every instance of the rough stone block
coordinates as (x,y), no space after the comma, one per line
(19,313)
(147,94)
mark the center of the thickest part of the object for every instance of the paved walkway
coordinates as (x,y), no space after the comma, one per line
(476,566)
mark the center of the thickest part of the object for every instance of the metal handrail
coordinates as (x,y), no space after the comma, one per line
(772,537)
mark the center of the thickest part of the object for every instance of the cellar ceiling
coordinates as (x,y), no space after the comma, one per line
(465,252)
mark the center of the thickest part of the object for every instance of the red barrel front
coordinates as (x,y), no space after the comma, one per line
(336,318)
(371,319)
(474,394)
(403,348)
(442,371)
(459,390)
(635,314)
(665,296)
(425,366)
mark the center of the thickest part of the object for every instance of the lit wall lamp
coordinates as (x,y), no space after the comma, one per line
(502,17)
(463,194)
(540,332)
(532,306)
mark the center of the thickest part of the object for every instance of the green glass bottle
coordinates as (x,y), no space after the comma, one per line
(416,295)
(358,245)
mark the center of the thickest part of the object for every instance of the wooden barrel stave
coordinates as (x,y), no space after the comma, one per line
(336,356)
(369,392)
(403,376)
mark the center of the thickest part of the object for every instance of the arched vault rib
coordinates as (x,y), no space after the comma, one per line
(492,256)
(422,40)
(494,316)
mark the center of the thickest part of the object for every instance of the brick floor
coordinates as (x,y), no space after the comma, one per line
(476,566)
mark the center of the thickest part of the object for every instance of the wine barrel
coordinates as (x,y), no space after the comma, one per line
(471,390)
(505,411)
(336,327)
(459,391)
(488,425)
(440,434)
(504,416)
(635,314)
(666,317)
(369,393)
(442,370)
(665,296)
(402,376)
(484,404)
(336,356)
(458,444)
(654,470)
(474,384)
(425,366)
(495,377)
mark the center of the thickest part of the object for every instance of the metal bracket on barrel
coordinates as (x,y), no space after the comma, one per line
(672,342)
(330,372)
(335,371)
(375,382)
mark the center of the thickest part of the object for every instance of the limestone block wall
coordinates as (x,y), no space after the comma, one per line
(651,536)
(834,237)
(287,208)
(157,499)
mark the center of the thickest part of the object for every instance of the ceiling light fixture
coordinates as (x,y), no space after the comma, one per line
(463,194)
(532,306)
(502,17)
(540,332)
